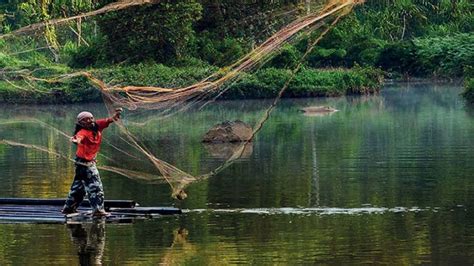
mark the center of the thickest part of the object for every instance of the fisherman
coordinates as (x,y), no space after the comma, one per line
(88,136)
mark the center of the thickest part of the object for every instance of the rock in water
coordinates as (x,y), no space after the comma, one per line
(228,131)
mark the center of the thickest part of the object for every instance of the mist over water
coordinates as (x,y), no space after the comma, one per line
(387,179)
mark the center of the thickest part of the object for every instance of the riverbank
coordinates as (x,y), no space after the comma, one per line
(263,83)
(469,85)
(469,92)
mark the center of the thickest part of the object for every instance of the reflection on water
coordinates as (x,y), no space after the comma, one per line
(89,238)
(226,150)
(387,179)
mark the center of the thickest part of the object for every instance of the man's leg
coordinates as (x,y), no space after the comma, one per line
(94,189)
(76,193)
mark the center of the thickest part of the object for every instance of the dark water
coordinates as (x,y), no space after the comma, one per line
(387,179)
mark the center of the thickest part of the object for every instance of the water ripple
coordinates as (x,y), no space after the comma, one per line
(317,211)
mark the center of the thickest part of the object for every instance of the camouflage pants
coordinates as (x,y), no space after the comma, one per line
(86,180)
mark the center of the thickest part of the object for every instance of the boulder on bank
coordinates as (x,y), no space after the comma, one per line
(228,131)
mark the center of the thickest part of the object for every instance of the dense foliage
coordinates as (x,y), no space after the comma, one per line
(264,83)
(414,38)
(308,82)
(404,38)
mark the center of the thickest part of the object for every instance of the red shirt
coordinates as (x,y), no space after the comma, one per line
(90,144)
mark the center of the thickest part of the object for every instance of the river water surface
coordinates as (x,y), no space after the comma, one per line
(388,179)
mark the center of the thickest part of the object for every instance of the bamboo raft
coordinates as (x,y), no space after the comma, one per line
(30,210)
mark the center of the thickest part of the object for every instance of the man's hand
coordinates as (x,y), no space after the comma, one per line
(118,113)
(75,140)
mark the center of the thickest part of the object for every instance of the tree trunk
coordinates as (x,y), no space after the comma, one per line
(79,31)
(404,27)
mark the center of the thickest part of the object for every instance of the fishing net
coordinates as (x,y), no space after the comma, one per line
(165,103)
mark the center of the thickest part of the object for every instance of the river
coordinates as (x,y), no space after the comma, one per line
(388,179)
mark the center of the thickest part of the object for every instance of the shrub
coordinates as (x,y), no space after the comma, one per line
(85,56)
(189,61)
(446,56)
(8,61)
(152,74)
(469,84)
(288,57)
(266,83)
(469,90)
(400,57)
(218,51)
(321,57)
(364,51)
(335,82)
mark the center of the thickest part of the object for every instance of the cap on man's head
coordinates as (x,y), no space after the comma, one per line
(83,115)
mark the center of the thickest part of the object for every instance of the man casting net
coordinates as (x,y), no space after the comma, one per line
(150,106)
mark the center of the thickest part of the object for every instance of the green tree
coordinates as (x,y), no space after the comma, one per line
(34,11)
(160,32)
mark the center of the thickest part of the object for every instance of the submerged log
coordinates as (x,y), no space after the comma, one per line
(318,110)
(229,131)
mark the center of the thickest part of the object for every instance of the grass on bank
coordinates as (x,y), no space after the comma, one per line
(264,83)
